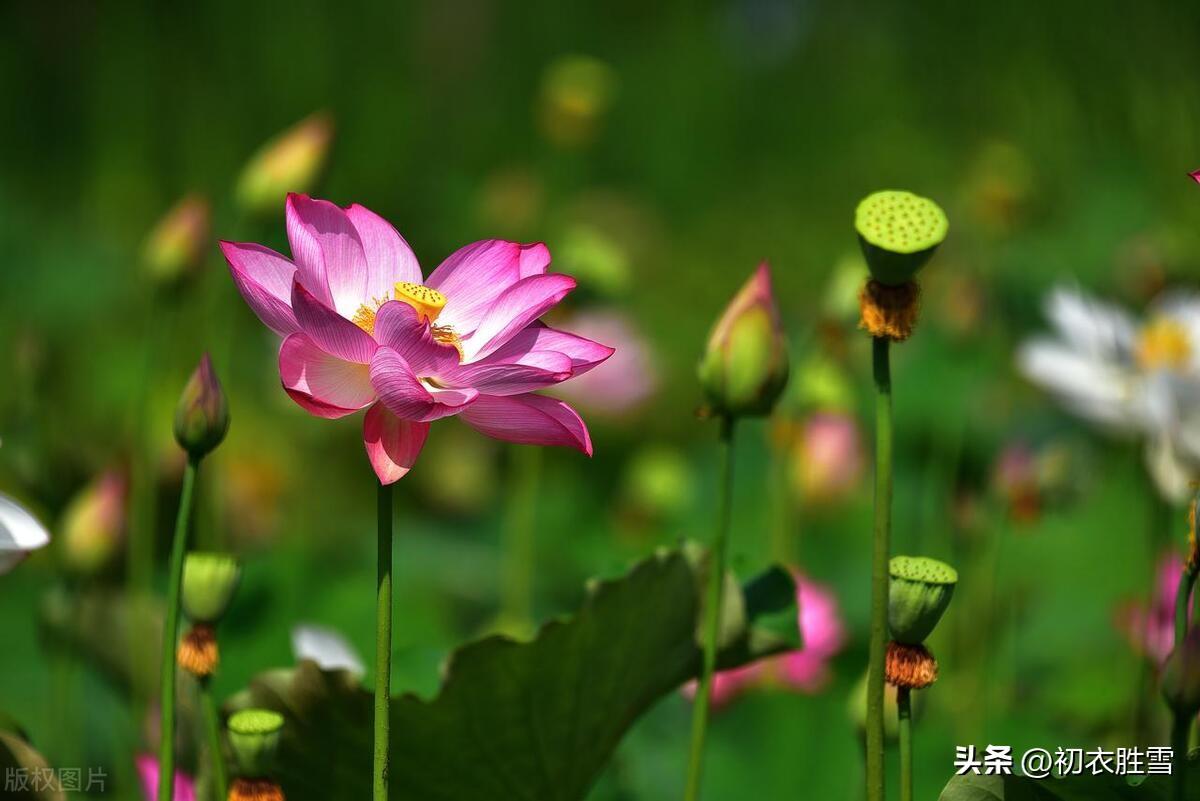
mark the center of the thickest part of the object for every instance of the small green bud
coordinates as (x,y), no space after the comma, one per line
(209,581)
(918,595)
(898,232)
(254,737)
(745,366)
(202,415)
(1181,676)
(291,162)
(92,529)
(176,245)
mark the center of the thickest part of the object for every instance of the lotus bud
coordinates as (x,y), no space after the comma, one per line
(898,232)
(745,366)
(202,415)
(290,162)
(1181,676)
(918,596)
(576,93)
(176,244)
(254,738)
(209,581)
(93,525)
(827,460)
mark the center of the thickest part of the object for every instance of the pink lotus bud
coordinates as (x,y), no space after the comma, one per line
(827,460)
(202,415)
(176,245)
(745,366)
(93,525)
(290,162)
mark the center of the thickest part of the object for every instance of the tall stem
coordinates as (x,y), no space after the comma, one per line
(712,613)
(904,710)
(1180,725)
(212,731)
(166,748)
(519,541)
(876,781)
(383,643)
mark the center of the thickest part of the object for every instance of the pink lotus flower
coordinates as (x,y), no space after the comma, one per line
(363,330)
(1151,633)
(627,380)
(185,788)
(805,670)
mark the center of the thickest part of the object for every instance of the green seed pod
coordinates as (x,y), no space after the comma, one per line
(254,737)
(898,232)
(202,415)
(745,365)
(209,581)
(1181,676)
(918,595)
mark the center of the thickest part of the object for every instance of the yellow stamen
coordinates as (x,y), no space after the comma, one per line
(428,302)
(1163,343)
(444,335)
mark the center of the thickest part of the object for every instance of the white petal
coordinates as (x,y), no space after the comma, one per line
(1172,474)
(327,648)
(1094,389)
(1091,326)
(20,532)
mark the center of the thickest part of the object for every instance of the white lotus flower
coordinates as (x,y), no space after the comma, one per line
(327,648)
(1129,378)
(20,533)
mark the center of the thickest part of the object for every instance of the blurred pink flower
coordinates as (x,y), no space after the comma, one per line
(805,670)
(93,524)
(827,461)
(623,383)
(364,330)
(185,788)
(1152,633)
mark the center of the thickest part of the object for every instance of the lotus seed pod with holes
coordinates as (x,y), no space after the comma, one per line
(254,737)
(1181,676)
(209,581)
(919,592)
(898,232)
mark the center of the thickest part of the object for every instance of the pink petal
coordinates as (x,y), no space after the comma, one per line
(392,444)
(185,788)
(321,383)
(398,327)
(535,259)
(511,379)
(529,420)
(532,343)
(517,307)
(326,248)
(389,258)
(405,396)
(472,277)
(332,332)
(265,280)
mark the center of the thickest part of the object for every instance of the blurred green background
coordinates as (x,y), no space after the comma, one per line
(661,151)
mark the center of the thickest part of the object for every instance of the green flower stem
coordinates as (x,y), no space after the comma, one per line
(519,540)
(881,357)
(1180,726)
(212,731)
(1183,597)
(904,710)
(166,749)
(712,614)
(383,644)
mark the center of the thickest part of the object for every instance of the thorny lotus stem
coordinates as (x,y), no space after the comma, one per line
(879,567)
(383,644)
(166,748)
(212,731)
(904,710)
(1180,727)
(519,539)
(712,616)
